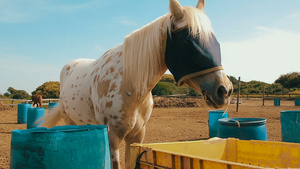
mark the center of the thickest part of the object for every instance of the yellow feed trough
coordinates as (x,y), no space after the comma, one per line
(217,154)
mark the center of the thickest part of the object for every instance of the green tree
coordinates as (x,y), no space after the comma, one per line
(252,87)
(16,94)
(1,95)
(193,92)
(276,88)
(289,80)
(233,80)
(48,90)
(167,78)
(164,88)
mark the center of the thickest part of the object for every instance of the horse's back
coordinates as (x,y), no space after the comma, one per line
(75,78)
(75,68)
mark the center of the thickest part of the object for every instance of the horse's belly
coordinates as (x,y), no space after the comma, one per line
(77,104)
(79,110)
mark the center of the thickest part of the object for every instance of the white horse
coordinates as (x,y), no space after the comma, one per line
(115,90)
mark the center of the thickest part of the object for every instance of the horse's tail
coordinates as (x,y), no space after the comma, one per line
(53,117)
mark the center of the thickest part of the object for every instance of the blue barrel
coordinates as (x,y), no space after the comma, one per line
(22,112)
(67,147)
(297,102)
(290,126)
(213,123)
(52,104)
(243,128)
(34,114)
(276,102)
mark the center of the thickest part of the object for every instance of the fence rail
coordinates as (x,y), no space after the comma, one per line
(14,102)
(269,96)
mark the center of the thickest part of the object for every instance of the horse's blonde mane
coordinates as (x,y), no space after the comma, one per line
(144,49)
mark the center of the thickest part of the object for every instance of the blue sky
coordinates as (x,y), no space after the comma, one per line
(260,39)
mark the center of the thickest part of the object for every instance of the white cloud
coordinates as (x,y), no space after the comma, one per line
(128,23)
(20,11)
(265,57)
(14,12)
(22,73)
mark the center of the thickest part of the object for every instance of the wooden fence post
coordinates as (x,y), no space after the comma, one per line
(238,96)
(12,102)
(263,95)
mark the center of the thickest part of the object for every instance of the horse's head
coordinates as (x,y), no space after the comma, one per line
(193,54)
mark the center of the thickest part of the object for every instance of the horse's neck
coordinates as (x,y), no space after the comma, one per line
(157,71)
(142,66)
(143,57)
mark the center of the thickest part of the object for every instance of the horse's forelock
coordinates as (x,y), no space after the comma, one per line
(197,22)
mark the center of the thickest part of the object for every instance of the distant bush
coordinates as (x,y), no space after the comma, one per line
(164,88)
(168,86)
(285,84)
(168,78)
(16,94)
(290,80)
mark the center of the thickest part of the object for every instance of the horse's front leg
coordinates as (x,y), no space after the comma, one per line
(138,138)
(114,143)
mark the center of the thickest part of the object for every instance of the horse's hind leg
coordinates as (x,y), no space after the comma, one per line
(67,119)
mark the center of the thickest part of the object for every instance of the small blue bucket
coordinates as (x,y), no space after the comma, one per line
(34,114)
(243,128)
(67,147)
(52,104)
(290,126)
(297,102)
(276,102)
(213,123)
(22,112)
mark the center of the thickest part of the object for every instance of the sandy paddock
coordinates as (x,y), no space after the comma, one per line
(170,124)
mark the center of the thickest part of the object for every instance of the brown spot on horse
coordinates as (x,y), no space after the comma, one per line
(109,104)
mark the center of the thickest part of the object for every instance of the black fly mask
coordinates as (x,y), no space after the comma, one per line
(186,57)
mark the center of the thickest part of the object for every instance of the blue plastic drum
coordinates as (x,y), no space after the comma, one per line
(213,123)
(67,147)
(290,126)
(22,112)
(243,128)
(52,104)
(297,102)
(33,115)
(276,102)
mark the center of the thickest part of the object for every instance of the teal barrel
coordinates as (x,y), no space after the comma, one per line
(22,112)
(290,126)
(276,102)
(52,104)
(297,102)
(67,147)
(213,123)
(243,128)
(34,114)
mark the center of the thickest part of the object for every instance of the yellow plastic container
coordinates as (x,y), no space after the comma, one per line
(216,154)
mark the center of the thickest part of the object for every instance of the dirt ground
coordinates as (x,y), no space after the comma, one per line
(170,123)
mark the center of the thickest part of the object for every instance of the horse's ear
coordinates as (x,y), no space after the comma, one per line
(200,4)
(176,9)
